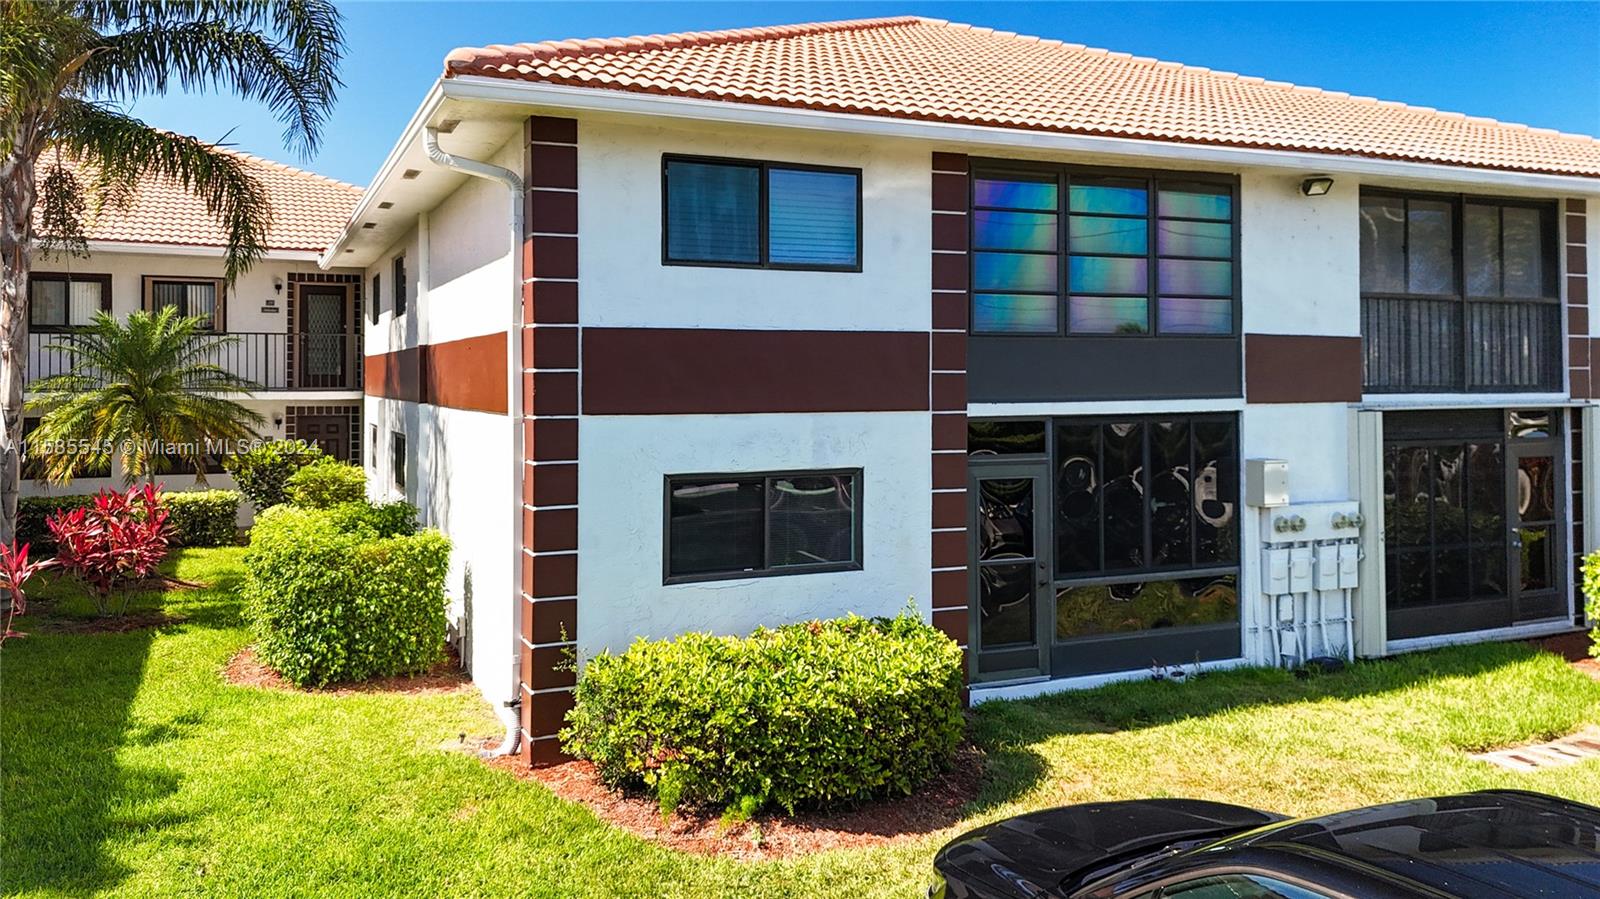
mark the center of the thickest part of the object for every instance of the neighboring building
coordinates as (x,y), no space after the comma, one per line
(295,324)
(755,326)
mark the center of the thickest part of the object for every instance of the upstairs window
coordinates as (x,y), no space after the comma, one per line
(377,298)
(1063,252)
(721,526)
(1459,293)
(60,301)
(761,215)
(399,286)
(200,297)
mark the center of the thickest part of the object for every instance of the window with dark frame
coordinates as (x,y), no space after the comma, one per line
(721,526)
(397,459)
(1459,293)
(719,212)
(197,297)
(399,286)
(1065,251)
(372,447)
(60,301)
(377,298)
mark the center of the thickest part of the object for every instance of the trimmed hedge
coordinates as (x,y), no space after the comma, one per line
(396,519)
(203,517)
(325,483)
(811,715)
(262,472)
(198,517)
(332,602)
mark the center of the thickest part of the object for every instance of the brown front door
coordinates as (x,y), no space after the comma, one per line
(323,346)
(329,432)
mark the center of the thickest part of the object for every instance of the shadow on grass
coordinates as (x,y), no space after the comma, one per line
(1008,731)
(65,705)
(65,709)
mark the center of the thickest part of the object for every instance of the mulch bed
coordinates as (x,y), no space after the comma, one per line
(245,669)
(112,624)
(936,806)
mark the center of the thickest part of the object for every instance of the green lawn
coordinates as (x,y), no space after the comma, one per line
(127,766)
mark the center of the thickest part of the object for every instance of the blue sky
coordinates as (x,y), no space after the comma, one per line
(1536,63)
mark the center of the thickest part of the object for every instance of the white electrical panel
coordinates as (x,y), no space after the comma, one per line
(1275,572)
(1349,564)
(1310,558)
(1266,482)
(1300,569)
(1327,566)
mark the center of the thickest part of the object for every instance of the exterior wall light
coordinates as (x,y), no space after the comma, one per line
(1316,185)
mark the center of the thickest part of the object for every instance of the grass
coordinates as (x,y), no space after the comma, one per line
(129,768)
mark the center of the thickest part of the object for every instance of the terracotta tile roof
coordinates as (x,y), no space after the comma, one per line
(932,70)
(308,210)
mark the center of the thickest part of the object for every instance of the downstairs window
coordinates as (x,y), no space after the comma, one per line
(723,526)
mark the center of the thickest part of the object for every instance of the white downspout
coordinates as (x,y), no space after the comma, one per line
(508,712)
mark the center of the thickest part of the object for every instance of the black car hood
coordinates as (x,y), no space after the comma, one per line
(1032,855)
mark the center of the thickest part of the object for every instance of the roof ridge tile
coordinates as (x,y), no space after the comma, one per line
(937,70)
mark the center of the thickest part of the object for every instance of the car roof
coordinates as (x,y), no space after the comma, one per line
(1485,845)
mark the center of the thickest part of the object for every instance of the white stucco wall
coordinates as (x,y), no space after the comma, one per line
(624,283)
(459,466)
(620,484)
(1299,257)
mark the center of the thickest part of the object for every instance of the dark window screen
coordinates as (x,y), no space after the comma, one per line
(762,524)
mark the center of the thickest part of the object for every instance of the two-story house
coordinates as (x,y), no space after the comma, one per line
(293,324)
(1102,362)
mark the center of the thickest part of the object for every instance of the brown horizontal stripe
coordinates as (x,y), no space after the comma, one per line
(1286,368)
(661,371)
(465,374)
(395,376)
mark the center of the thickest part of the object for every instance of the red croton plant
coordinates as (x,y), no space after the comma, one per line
(111,544)
(15,570)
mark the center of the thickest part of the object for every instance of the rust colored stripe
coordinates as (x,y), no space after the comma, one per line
(468,374)
(395,376)
(662,371)
(1282,368)
(465,374)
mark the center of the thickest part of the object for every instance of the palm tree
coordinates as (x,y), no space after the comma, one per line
(144,392)
(63,63)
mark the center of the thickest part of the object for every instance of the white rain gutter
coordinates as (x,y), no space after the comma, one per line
(502,90)
(508,712)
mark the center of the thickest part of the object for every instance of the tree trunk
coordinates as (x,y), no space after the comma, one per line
(17,195)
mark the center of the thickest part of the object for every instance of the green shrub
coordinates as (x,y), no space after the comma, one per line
(806,715)
(203,517)
(396,519)
(330,604)
(262,471)
(1591,598)
(325,483)
(32,512)
(197,517)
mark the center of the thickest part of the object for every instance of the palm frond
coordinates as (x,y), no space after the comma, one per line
(137,386)
(122,150)
(283,54)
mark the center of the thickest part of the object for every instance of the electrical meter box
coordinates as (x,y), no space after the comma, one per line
(1266,482)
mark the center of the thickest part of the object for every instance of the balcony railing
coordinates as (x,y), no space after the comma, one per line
(275,361)
(1414,345)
